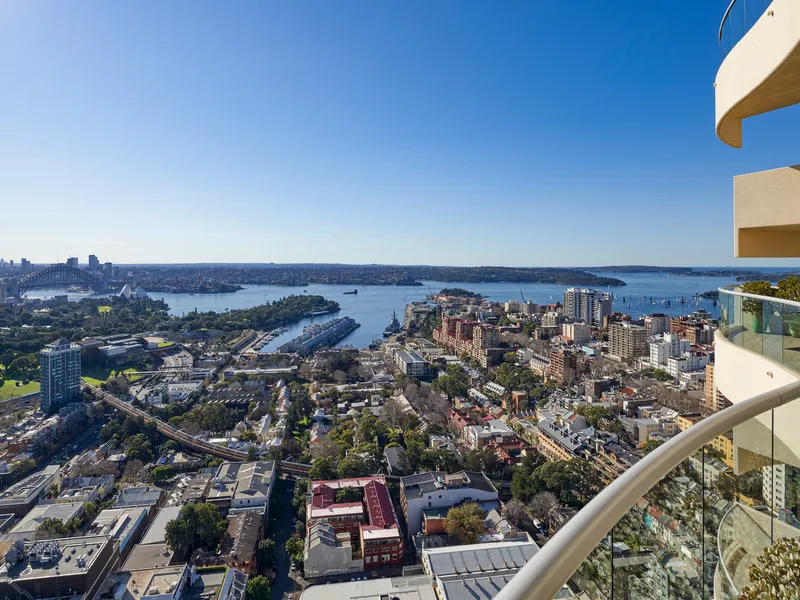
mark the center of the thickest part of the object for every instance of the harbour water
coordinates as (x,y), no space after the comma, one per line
(373,305)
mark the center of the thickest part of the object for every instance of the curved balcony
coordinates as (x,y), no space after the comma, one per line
(760,72)
(762,325)
(681,523)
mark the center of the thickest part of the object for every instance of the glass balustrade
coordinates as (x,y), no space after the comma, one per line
(769,327)
(698,532)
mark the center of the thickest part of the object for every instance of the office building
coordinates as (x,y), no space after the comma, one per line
(94,263)
(58,568)
(476,571)
(627,341)
(24,495)
(590,306)
(72,261)
(59,374)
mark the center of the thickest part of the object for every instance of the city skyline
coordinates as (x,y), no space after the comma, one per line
(352,132)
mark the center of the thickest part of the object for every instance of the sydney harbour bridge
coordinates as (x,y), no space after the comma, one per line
(59,276)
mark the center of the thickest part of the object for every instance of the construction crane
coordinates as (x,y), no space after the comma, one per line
(521,296)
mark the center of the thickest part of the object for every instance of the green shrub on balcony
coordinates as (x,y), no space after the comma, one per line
(776,575)
(755,307)
(789,289)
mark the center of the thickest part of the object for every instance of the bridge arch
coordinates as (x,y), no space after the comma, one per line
(57,275)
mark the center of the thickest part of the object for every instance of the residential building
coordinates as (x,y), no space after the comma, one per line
(612,460)
(640,429)
(715,400)
(441,490)
(240,544)
(495,388)
(243,485)
(627,341)
(579,333)
(689,362)
(59,374)
(781,487)
(591,306)
(563,366)
(564,436)
(143,495)
(370,523)
(476,340)
(656,324)
(411,363)
(666,346)
(85,489)
(480,436)
(329,554)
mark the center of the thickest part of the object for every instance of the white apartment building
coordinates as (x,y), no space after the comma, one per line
(689,362)
(580,333)
(786,481)
(665,346)
(440,490)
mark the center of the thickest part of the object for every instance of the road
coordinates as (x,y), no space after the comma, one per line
(284,586)
(79,443)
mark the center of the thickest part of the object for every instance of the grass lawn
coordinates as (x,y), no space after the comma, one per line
(103,309)
(164,344)
(10,389)
(97,375)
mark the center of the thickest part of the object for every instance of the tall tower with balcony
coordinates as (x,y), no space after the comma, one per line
(59,374)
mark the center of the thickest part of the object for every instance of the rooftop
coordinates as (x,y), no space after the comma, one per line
(148,556)
(118,522)
(41,512)
(58,558)
(31,485)
(158,528)
(417,485)
(134,585)
(402,588)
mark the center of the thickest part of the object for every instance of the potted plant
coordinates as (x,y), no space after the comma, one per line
(755,307)
(789,289)
(776,575)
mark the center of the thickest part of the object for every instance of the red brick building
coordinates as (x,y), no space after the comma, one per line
(371,522)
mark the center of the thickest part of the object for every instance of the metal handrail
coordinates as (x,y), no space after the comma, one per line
(550,568)
(719,551)
(724,20)
(728,289)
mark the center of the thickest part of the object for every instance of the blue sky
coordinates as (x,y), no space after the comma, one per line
(464,133)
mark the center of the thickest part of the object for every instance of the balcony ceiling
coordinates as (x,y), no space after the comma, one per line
(761,73)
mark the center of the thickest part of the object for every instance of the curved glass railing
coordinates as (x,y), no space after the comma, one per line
(689,520)
(737,20)
(769,327)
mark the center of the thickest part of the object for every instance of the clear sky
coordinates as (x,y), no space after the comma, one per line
(447,132)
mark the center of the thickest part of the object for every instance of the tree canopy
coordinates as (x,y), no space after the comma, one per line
(465,522)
